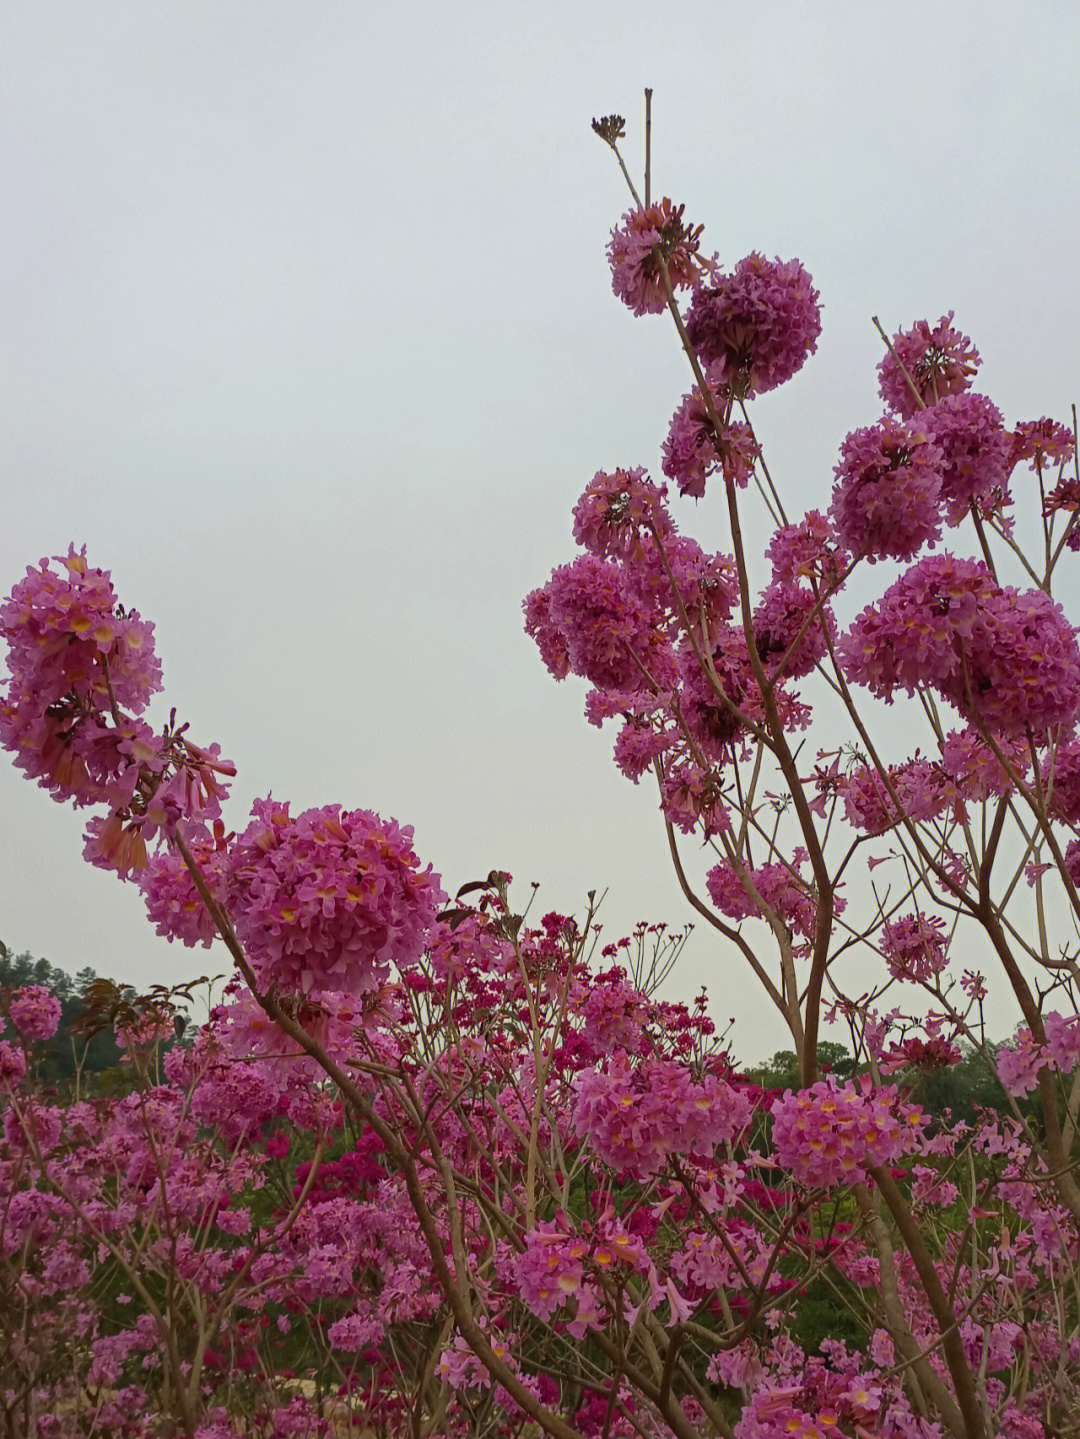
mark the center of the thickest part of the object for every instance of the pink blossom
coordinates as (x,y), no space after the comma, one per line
(975,769)
(975,453)
(73,654)
(603,624)
(690,795)
(38,1126)
(1065,498)
(1044,443)
(790,637)
(694,447)
(809,550)
(915,947)
(827,1135)
(355,1332)
(637,1117)
(887,499)
(1062,1041)
(1018,1064)
(35,1011)
(330,899)
(615,1013)
(540,627)
(637,745)
(12,1063)
(616,510)
(1060,778)
(755,327)
(706,586)
(173,904)
(940,361)
(921,787)
(1007,655)
(781,888)
(550,1271)
(636,247)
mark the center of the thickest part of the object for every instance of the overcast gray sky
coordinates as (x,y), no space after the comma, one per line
(307,333)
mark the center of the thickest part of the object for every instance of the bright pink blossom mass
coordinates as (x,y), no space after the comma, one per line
(434,1167)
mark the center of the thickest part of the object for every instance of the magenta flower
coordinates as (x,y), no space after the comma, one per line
(1018,1064)
(637,1117)
(887,499)
(616,512)
(693,449)
(782,889)
(975,769)
(173,904)
(35,1011)
(1064,498)
(940,361)
(540,627)
(602,624)
(330,899)
(755,327)
(72,654)
(12,1063)
(637,246)
(707,585)
(785,614)
(1060,778)
(809,550)
(690,795)
(1008,657)
(915,947)
(637,745)
(975,454)
(921,787)
(827,1135)
(1044,443)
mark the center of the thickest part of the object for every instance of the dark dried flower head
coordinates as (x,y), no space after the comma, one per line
(610,128)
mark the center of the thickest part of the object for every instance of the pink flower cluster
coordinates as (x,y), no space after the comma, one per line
(615,511)
(780,888)
(636,1117)
(173,904)
(976,454)
(551,1270)
(329,899)
(1019,1064)
(915,947)
(791,629)
(801,1396)
(601,624)
(1060,779)
(887,499)
(558,1267)
(1044,443)
(35,1012)
(1008,657)
(828,1135)
(636,248)
(615,1013)
(694,447)
(755,327)
(82,670)
(810,550)
(940,362)
(968,770)
(73,654)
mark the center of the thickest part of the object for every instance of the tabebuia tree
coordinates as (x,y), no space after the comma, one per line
(462,1174)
